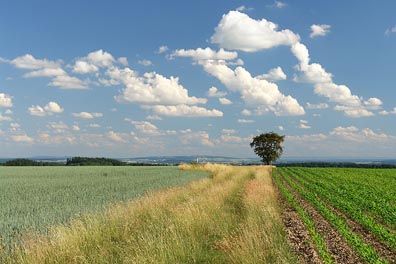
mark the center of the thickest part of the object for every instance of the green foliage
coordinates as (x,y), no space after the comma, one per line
(366,196)
(27,162)
(268,146)
(36,198)
(334,186)
(85,161)
(316,238)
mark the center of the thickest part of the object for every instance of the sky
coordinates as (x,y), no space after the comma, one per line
(144,78)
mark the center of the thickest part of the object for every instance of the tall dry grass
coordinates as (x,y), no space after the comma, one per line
(231,218)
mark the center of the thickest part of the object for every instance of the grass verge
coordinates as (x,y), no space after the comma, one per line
(230,218)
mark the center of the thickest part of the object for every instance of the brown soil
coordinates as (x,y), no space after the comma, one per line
(337,246)
(298,236)
(367,237)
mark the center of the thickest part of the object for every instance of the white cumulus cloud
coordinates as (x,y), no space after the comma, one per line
(317,106)
(319,30)
(275,74)
(5,100)
(93,61)
(237,31)
(151,88)
(214,92)
(87,115)
(162,49)
(48,109)
(224,101)
(145,62)
(185,110)
(205,54)
(29,62)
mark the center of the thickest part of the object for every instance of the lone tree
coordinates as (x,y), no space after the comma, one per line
(268,146)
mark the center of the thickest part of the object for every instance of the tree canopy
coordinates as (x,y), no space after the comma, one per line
(268,146)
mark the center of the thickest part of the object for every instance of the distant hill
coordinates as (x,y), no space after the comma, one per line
(172,160)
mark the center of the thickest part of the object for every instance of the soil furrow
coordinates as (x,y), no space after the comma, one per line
(336,244)
(297,234)
(366,236)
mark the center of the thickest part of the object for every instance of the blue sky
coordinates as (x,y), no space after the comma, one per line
(128,78)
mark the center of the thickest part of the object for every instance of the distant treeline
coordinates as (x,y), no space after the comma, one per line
(337,165)
(85,161)
(76,161)
(28,162)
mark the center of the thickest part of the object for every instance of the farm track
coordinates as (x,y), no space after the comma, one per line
(231,218)
(338,247)
(369,238)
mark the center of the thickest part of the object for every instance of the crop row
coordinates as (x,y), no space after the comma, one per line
(364,250)
(370,193)
(347,202)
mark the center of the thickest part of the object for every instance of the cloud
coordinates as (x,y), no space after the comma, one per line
(205,54)
(213,92)
(243,8)
(245,121)
(75,128)
(151,88)
(162,49)
(228,131)
(262,94)
(83,67)
(117,137)
(22,138)
(93,61)
(47,68)
(224,101)
(304,126)
(123,61)
(5,118)
(316,106)
(48,109)
(8,112)
(281,128)
(314,73)
(68,82)
(200,137)
(145,62)
(308,138)
(352,133)
(373,103)
(185,110)
(146,128)
(29,62)
(246,112)
(231,33)
(390,31)
(319,30)
(279,4)
(5,100)
(384,112)
(46,72)
(153,117)
(87,115)
(353,111)
(275,74)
